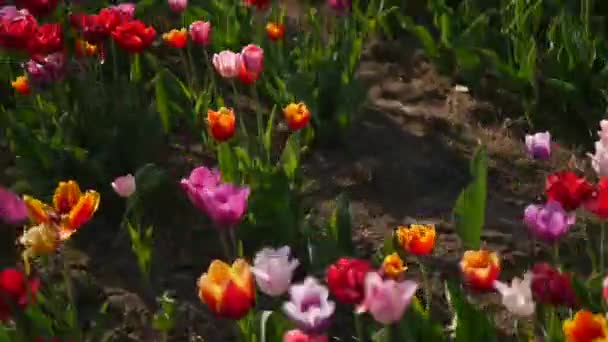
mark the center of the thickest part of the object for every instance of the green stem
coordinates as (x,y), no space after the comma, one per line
(225,245)
(602,255)
(556,254)
(114,61)
(358,326)
(425,284)
(241,121)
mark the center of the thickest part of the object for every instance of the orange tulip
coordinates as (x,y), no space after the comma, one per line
(297,115)
(227,290)
(85,49)
(480,268)
(418,239)
(176,38)
(275,31)
(71,208)
(21,85)
(221,123)
(393,266)
(586,327)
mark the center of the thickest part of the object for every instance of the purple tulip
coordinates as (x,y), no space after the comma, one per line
(549,222)
(309,306)
(9,12)
(12,207)
(386,300)
(46,70)
(273,270)
(201,179)
(226,204)
(539,145)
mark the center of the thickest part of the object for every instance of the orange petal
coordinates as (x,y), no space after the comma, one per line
(84,209)
(66,196)
(241,275)
(37,210)
(211,285)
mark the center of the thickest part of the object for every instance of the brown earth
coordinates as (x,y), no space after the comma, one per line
(406,160)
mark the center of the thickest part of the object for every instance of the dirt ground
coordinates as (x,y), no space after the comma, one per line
(407,160)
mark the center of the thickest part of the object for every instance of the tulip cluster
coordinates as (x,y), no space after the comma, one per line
(246,65)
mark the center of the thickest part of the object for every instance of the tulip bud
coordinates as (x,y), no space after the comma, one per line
(124,186)
(200,33)
(273,270)
(480,269)
(178,6)
(539,145)
(253,58)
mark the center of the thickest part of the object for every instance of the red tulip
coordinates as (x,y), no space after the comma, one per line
(134,36)
(598,201)
(95,28)
(568,189)
(16,31)
(480,269)
(47,39)
(15,291)
(247,77)
(346,279)
(549,286)
(38,8)
(260,5)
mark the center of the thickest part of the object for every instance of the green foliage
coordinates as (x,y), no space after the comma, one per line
(340,225)
(471,324)
(142,243)
(470,207)
(164,318)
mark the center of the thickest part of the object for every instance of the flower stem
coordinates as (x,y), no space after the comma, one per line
(225,245)
(425,284)
(358,326)
(556,254)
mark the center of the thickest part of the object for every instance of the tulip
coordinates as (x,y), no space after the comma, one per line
(222,123)
(253,58)
(386,300)
(568,189)
(95,28)
(539,145)
(227,290)
(46,70)
(309,307)
(480,269)
(124,186)
(200,33)
(549,286)
(260,5)
(227,63)
(21,85)
(12,208)
(16,28)
(603,133)
(16,292)
(178,6)
(393,266)
(247,77)
(200,180)
(133,36)
(9,12)
(275,31)
(127,10)
(39,240)
(586,327)
(176,38)
(47,39)
(273,270)
(517,298)
(298,336)
(297,115)
(226,204)
(599,160)
(70,211)
(598,201)
(339,6)
(38,8)
(548,222)
(417,239)
(346,279)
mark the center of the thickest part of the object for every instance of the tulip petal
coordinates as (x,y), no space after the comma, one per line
(82,212)
(66,196)
(37,210)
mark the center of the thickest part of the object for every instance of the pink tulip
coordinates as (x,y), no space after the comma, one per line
(12,208)
(44,70)
(126,9)
(340,7)
(273,270)
(226,204)
(386,300)
(200,32)
(200,180)
(299,336)
(178,6)
(227,63)
(253,58)
(124,186)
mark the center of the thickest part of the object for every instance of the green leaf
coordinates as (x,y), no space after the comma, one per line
(470,207)
(290,159)
(417,325)
(164,319)
(340,225)
(162,100)
(227,163)
(589,295)
(471,324)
